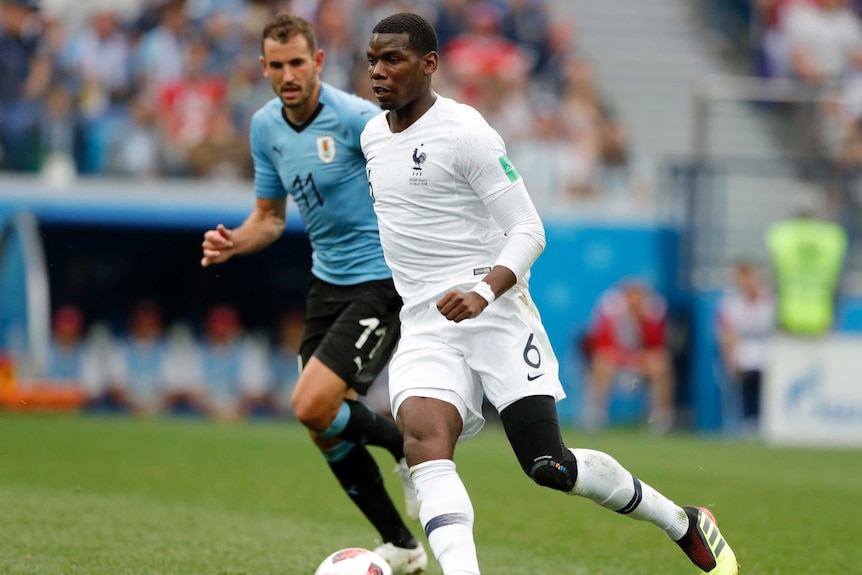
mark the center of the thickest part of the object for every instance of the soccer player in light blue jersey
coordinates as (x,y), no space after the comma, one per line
(305,144)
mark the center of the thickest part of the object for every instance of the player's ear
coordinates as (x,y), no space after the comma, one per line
(262,61)
(430,62)
(319,57)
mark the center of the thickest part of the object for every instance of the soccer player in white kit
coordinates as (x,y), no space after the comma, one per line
(460,233)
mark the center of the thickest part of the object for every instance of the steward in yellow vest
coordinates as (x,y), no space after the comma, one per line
(807,255)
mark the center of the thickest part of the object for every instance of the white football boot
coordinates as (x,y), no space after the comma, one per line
(407,561)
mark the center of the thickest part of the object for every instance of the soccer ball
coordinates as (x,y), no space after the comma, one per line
(354,561)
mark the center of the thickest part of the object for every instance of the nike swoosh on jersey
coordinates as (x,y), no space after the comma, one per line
(534,376)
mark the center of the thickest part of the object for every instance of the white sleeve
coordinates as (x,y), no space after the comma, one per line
(525,235)
(486,166)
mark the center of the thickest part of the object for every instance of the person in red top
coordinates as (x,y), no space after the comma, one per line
(629,335)
(190,107)
(481,59)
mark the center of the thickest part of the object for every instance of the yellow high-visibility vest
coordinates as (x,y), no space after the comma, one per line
(807,256)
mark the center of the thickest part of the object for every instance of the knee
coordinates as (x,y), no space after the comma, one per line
(534,432)
(558,475)
(430,428)
(427,446)
(603,366)
(312,413)
(658,366)
(413,447)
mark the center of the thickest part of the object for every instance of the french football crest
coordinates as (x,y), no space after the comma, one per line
(326,148)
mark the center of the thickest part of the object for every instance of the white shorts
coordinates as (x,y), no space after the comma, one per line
(503,354)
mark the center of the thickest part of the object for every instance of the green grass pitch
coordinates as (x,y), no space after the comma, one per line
(104,496)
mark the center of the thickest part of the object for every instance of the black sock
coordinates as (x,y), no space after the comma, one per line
(369,428)
(360,477)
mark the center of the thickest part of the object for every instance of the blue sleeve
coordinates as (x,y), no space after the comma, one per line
(267,184)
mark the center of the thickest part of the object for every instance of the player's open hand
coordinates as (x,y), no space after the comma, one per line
(458,305)
(217,246)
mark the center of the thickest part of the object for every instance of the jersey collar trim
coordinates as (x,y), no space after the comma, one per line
(300,127)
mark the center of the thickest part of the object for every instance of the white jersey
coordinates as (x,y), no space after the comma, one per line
(432,184)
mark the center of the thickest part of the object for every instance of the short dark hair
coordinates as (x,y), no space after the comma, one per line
(285,26)
(423,38)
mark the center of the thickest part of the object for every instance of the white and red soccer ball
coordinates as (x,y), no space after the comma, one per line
(354,561)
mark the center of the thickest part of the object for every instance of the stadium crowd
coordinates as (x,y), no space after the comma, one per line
(148,366)
(816,43)
(166,88)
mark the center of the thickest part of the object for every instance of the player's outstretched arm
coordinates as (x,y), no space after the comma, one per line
(261,228)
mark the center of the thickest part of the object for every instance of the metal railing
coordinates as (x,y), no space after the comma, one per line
(724,204)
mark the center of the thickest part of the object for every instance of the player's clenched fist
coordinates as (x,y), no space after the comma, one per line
(458,305)
(217,246)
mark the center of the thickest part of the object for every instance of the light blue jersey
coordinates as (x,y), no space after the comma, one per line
(321,165)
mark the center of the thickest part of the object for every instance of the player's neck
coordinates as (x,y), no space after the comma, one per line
(403,118)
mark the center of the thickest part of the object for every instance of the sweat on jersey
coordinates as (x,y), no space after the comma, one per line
(320,164)
(446,196)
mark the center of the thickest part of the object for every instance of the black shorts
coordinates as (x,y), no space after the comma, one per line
(353,329)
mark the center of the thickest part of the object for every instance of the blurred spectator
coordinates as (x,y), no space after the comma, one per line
(850,89)
(234,366)
(147,16)
(628,336)
(820,38)
(545,159)
(184,392)
(25,73)
(481,60)
(746,318)
(189,106)
(224,155)
(451,20)
(149,79)
(772,58)
(137,152)
(222,33)
(106,393)
(160,56)
(808,256)
(583,117)
(561,48)
(141,360)
(527,24)
(843,113)
(621,175)
(335,38)
(66,353)
(491,72)
(98,58)
(78,360)
(506,106)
